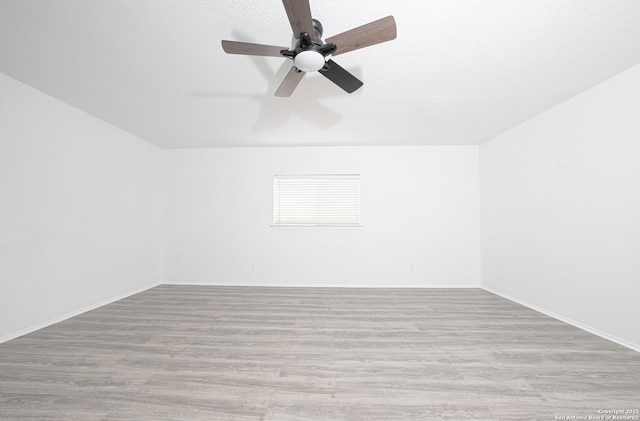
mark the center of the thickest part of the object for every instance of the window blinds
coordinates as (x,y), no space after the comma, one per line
(316,200)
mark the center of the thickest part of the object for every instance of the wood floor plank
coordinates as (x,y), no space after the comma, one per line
(178,352)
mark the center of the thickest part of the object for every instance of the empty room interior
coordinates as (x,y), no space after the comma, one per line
(319,210)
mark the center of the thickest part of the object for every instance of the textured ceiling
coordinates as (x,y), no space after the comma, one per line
(460,71)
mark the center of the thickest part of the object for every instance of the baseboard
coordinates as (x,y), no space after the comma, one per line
(324,285)
(66,316)
(579,325)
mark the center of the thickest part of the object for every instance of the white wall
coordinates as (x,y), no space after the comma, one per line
(80,208)
(420,205)
(561,210)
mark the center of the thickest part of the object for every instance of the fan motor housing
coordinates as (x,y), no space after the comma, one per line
(317,32)
(317,29)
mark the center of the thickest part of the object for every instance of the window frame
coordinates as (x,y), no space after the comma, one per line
(317,224)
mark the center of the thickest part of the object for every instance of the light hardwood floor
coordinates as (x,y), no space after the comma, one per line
(284,354)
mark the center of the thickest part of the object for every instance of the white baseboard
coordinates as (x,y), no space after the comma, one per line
(66,316)
(579,325)
(324,285)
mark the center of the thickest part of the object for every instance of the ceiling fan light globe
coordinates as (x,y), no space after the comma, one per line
(309,61)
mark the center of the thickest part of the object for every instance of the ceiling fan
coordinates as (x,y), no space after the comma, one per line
(310,53)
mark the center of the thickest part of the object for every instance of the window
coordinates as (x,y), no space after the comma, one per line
(325,200)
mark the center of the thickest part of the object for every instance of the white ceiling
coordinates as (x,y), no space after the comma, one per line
(460,71)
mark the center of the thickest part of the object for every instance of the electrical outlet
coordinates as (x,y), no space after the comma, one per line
(411,267)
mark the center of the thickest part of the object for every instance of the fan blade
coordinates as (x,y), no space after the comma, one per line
(234,47)
(340,77)
(372,33)
(299,13)
(290,82)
